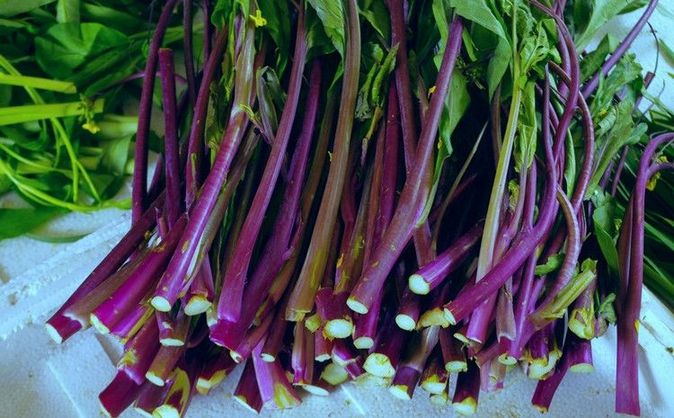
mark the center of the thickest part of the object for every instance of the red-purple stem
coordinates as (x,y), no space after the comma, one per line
(139,182)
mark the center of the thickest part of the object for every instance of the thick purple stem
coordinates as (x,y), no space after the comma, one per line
(411,201)
(229,305)
(139,182)
(177,274)
(194,143)
(171,158)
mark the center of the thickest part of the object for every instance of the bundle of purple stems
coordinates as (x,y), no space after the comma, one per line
(290,248)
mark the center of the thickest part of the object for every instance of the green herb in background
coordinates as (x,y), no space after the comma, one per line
(66,117)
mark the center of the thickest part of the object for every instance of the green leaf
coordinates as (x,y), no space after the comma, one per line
(536,51)
(603,219)
(440,9)
(115,154)
(68,11)
(455,107)
(622,133)
(331,13)
(440,158)
(376,14)
(606,309)
(5,95)
(498,65)
(66,46)
(278,25)
(528,128)
(318,42)
(552,264)
(666,51)
(55,239)
(114,18)
(478,11)
(602,12)
(223,10)
(593,61)
(10,8)
(268,90)
(625,72)
(15,222)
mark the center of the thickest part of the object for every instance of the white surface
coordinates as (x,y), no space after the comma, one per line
(45,380)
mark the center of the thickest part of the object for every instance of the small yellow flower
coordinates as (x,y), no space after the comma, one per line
(257,19)
(431,91)
(91,126)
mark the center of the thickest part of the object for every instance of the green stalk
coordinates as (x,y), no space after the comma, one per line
(38,83)
(492,221)
(60,135)
(28,113)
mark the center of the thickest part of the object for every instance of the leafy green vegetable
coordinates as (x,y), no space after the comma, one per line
(16,222)
(278,25)
(376,13)
(66,46)
(480,12)
(9,8)
(602,11)
(603,219)
(331,14)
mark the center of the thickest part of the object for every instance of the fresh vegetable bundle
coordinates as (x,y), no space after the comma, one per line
(409,190)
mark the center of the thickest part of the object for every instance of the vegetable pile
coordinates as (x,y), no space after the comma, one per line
(410,190)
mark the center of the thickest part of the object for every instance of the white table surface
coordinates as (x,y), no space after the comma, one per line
(43,379)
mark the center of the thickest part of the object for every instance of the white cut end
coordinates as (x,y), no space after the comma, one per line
(316,390)
(161,304)
(379,365)
(53,334)
(243,402)
(507,359)
(356,306)
(363,343)
(165,411)
(211,317)
(467,406)
(450,317)
(267,357)
(405,322)
(98,325)
(203,386)
(321,357)
(197,305)
(540,368)
(171,342)
(238,358)
(338,328)
(295,315)
(582,368)
(154,379)
(440,399)
(400,392)
(418,285)
(433,317)
(456,366)
(334,374)
(434,387)
(462,338)
(541,409)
